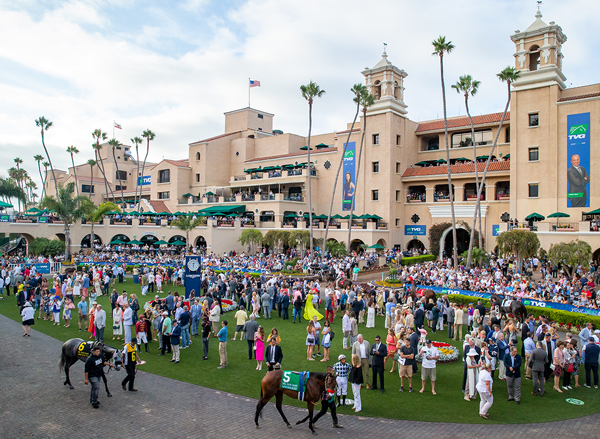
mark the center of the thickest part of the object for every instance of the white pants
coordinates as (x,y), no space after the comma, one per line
(144,290)
(356,396)
(485,403)
(345,339)
(342,386)
(127,333)
(440,324)
(141,337)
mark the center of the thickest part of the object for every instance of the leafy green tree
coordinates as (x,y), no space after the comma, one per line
(44,125)
(366,100)
(95,214)
(469,87)
(356,90)
(149,136)
(299,238)
(38,158)
(440,47)
(519,243)
(114,143)
(478,256)
(73,150)
(336,249)
(309,92)
(9,190)
(571,255)
(69,209)
(251,237)
(46,247)
(137,141)
(187,224)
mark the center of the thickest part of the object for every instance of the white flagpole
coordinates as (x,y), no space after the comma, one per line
(113,129)
(248,92)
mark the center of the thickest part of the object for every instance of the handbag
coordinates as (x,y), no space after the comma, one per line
(570,368)
(71,306)
(115,327)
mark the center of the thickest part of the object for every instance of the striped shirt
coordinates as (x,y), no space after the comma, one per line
(342,369)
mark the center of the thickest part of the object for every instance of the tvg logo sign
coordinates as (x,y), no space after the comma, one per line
(349,154)
(578,131)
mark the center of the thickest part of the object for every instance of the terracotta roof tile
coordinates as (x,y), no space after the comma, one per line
(347,131)
(215,138)
(455,169)
(462,122)
(574,98)
(294,154)
(185,163)
(158,206)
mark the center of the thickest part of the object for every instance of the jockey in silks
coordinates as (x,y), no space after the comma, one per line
(339,276)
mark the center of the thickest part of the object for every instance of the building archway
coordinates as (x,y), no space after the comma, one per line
(177,238)
(447,244)
(85,242)
(200,242)
(355,245)
(149,239)
(415,244)
(60,236)
(596,255)
(382,242)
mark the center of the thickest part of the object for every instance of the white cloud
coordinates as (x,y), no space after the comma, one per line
(76,63)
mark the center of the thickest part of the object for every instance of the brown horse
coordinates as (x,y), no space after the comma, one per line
(270,386)
(421,294)
(342,283)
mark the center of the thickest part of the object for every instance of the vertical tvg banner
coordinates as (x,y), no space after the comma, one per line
(349,169)
(578,157)
(193,275)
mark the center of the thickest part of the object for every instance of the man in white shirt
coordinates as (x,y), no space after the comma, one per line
(429,356)
(127,321)
(346,328)
(100,322)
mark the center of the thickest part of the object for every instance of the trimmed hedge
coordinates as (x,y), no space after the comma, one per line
(416,259)
(555,315)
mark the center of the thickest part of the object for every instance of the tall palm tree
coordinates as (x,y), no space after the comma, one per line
(31,186)
(309,92)
(137,141)
(187,224)
(73,150)
(38,158)
(96,214)
(441,46)
(508,75)
(148,135)
(69,209)
(356,91)
(114,143)
(366,100)
(92,163)
(469,87)
(18,161)
(44,125)
(99,135)
(46,165)
(9,189)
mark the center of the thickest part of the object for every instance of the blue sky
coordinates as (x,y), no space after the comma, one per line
(176,67)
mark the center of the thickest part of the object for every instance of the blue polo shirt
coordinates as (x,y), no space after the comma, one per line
(83,307)
(223,334)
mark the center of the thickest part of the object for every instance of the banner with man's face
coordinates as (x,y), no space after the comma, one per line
(578,160)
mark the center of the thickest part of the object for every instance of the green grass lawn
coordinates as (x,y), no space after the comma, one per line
(241,377)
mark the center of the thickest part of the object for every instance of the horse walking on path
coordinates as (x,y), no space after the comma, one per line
(270,386)
(78,349)
(514,307)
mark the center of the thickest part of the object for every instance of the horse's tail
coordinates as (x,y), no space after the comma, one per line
(260,403)
(61,362)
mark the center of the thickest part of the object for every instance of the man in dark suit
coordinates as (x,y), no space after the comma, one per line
(285,305)
(548,345)
(578,179)
(273,355)
(378,353)
(419,317)
(537,364)
(512,363)
(414,344)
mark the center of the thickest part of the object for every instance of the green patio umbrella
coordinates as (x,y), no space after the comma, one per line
(3,204)
(363,216)
(535,217)
(291,215)
(376,217)
(209,193)
(507,156)
(336,216)
(305,148)
(558,215)
(161,242)
(178,243)
(423,163)
(592,212)
(233,215)
(440,161)
(115,242)
(322,145)
(377,247)
(33,209)
(135,242)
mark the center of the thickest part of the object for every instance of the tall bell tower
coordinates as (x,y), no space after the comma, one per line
(386,83)
(538,55)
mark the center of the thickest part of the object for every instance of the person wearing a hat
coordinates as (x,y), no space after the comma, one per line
(342,369)
(28,314)
(472,363)
(129,361)
(429,357)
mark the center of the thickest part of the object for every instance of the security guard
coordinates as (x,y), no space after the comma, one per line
(93,374)
(129,361)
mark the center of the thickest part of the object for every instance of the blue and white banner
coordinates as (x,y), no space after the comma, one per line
(349,169)
(415,230)
(578,160)
(496,230)
(526,302)
(146,181)
(43,268)
(193,275)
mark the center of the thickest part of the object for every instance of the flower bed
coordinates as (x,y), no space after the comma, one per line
(226,304)
(448,353)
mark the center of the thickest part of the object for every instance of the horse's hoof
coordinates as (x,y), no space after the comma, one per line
(258,427)
(298,423)
(289,426)
(314,433)
(109,395)
(71,387)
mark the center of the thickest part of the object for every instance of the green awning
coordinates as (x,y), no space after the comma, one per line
(462,159)
(507,156)
(187,195)
(250,171)
(291,215)
(135,242)
(559,215)
(376,217)
(209,193)
(322,216)
(178,243)
(321,145)
(377,247)
(3,204)
(288,166)
(440,161)
(161,242)
(116,242)
(336,216)
(239,208)
(592,212)
(363,216)
(535,217)
(301,165)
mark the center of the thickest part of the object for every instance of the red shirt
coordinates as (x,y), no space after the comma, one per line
(140,326)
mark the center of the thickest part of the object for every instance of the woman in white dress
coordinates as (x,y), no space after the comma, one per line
(77,285)
(472,375)
(371,314)
(117,322)
(484,387)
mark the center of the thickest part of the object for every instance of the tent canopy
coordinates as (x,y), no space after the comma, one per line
(377,246)
(535,217)
(559,215)
(239,208)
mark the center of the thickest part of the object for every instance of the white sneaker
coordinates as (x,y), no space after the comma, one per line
(566,388)
(569,387)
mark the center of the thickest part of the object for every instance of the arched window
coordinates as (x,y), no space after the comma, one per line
(534,58)
(198,156)
(377,90)
(396,90)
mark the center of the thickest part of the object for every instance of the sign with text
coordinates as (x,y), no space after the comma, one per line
(4,218)
(578,160)
(43,268)
(415,230)
(349,172)
(147,179)
(43,219)
(496,230)
(193,275)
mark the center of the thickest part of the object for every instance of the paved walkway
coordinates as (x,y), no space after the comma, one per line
(35,404)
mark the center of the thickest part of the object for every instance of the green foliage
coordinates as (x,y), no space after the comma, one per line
(417,259)
(299,238)
(336,249)
(435,234)
(542,253)
(98,213)
(291,263)
(479,256)
(571,255)
(251,237)
(46,247)
(393,273)
(521,243)
(68,207)
(277,239)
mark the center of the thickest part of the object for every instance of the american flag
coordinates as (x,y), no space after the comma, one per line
(254,83)
(118,126)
